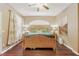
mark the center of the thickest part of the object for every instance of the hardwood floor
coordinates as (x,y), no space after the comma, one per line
(18,51)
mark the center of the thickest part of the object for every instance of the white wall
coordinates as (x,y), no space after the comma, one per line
(50,19)
(62,21)
(0,33)
(71,39)
(4,8)
(39,22)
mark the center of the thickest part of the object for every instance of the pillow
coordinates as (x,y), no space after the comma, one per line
(45,30)
(32,30)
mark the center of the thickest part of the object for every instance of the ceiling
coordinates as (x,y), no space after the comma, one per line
(25,10)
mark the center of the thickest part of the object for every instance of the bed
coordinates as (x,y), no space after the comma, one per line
(39,39)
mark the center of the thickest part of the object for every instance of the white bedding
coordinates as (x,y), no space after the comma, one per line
(43,33)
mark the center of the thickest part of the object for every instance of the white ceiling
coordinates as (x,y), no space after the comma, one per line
(54,9)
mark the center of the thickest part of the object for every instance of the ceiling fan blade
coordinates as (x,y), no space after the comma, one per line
(46,7)
(31,4)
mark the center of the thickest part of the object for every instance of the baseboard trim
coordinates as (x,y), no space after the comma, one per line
(71,49)
(10,47)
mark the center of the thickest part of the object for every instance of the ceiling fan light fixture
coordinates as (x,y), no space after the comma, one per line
(39,6)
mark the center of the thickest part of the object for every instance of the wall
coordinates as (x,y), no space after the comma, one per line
(4,8)
(0,31)
(5,18)
(78,27)
(71,39)
(50,19)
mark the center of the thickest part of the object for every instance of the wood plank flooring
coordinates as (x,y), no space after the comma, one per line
(18,51)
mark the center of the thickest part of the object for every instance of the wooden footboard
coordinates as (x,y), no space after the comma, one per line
(39,41)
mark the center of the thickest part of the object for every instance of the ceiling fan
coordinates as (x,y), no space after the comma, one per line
(39,5)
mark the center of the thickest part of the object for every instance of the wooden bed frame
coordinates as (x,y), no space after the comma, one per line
(39,41)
